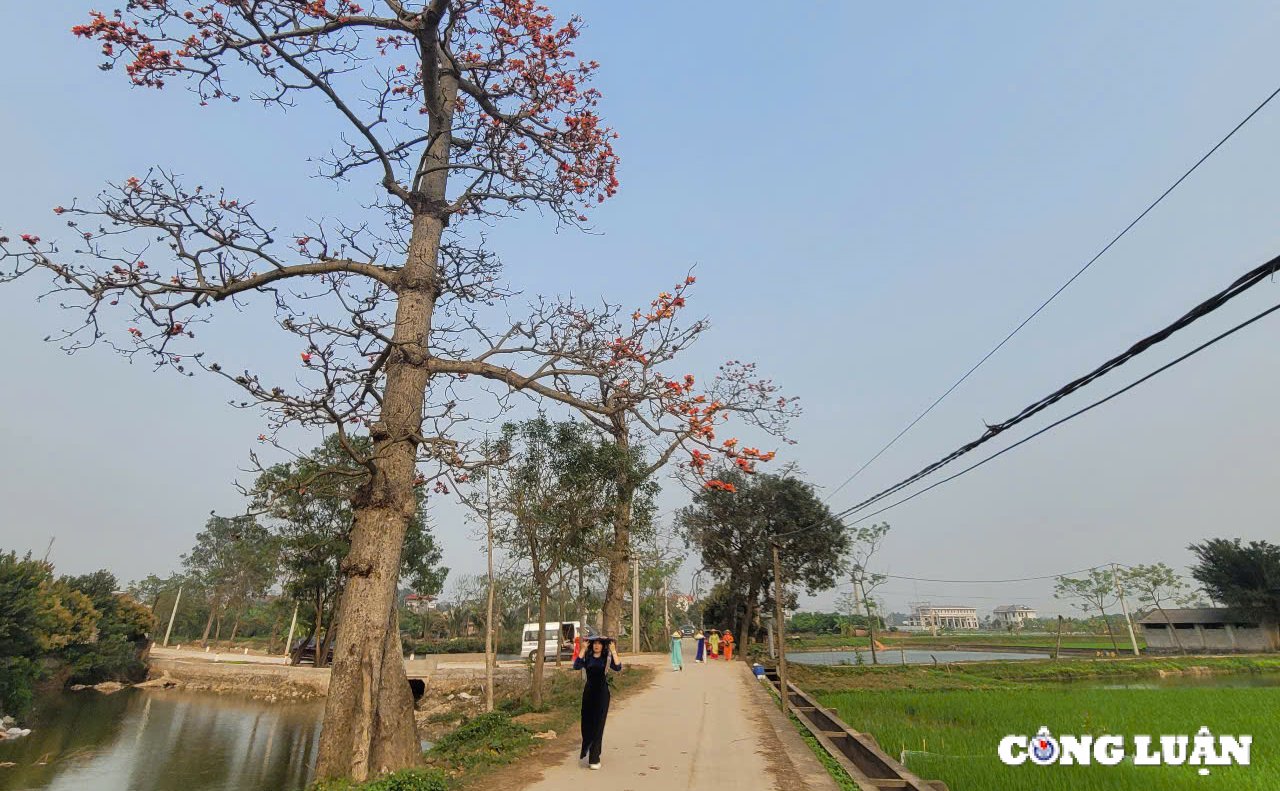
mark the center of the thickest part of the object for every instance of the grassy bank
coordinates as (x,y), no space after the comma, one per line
(1005,675)
(947,724)
(466,756)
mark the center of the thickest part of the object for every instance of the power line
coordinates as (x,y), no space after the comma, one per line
(1055,294)
(1075,414)
(1242,284)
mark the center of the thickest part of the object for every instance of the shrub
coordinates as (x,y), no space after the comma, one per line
(408,780)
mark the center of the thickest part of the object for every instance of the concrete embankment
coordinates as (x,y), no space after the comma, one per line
(269,677)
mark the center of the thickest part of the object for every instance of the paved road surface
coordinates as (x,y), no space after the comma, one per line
(700,729)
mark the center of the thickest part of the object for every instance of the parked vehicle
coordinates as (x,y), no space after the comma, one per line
(559,636)
(687,630)
(306,652)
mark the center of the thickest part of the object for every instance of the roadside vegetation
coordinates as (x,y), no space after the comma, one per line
(466,757)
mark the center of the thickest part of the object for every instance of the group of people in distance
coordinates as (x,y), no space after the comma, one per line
(710,646)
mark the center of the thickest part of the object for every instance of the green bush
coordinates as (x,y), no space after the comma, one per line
(479,742)
(408,780)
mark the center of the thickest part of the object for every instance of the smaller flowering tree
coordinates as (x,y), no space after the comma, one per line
(621,365)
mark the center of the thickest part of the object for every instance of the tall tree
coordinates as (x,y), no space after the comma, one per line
(636,392)
(234,558)
(1157,585)
(867,540)
(1094,592)
(452,111)
(733,527)
(554,491)
(1245,577)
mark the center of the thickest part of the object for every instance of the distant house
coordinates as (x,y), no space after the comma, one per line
(1012,615)
(1207,629)
(418,604)
(943,616)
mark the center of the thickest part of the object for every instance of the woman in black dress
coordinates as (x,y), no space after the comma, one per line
(600,655)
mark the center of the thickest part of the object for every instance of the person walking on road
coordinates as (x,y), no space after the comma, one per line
(702,647)
(728,644)
(713,644)
(677,659)
(599,656)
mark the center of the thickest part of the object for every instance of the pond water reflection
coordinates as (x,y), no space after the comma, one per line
(156,740)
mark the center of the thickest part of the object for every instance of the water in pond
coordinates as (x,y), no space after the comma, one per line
(898,657)
(154,740)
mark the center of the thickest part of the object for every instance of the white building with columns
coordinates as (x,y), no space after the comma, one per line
(943,616)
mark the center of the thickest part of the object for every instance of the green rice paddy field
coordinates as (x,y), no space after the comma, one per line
(952,734)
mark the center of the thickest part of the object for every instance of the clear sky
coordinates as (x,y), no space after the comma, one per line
(872,195)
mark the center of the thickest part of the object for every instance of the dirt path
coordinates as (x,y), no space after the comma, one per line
(699,729)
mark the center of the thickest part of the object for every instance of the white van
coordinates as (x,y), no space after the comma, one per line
(558,634)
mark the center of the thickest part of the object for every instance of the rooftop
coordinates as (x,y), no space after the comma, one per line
(1194,615)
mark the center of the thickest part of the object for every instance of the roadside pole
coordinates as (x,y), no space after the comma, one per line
(172,615)
(293,624)
(666,614)
(782,627)
(635,605)
(1057,648)
(1115,577)
(488,617)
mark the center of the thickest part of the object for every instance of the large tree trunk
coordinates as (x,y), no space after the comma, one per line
(368,721)
(620,551)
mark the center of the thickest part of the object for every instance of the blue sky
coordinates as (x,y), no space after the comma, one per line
(872,195)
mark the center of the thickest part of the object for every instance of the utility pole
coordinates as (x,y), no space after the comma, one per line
(288,641)
(1115,577)
(782,628)
(172,615)
(635,605)
(488,618)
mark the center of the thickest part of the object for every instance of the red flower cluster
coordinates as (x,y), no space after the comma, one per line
(306,358)
(150,64)
(720,485)
(30,239)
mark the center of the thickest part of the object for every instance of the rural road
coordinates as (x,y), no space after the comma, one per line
(702,729)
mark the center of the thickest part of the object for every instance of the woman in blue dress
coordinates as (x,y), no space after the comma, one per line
(599,656)
(702,646)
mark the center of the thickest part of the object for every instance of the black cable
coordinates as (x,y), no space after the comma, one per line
(993,582)
(1055,294)
(1242,284)
(1075,414)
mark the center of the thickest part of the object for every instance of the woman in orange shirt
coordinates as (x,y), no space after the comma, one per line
(727,642)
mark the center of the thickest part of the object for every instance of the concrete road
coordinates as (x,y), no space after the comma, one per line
(701,729)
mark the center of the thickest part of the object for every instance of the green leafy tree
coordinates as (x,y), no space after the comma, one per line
(1155,586)
(310,505)
(733,527)
(1094,592)
(39,617)
(553,492)
(1245,577)
(235,559)
(866,540)
(122,632)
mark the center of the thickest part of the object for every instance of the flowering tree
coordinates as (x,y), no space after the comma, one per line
(451,110)
(626,382)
